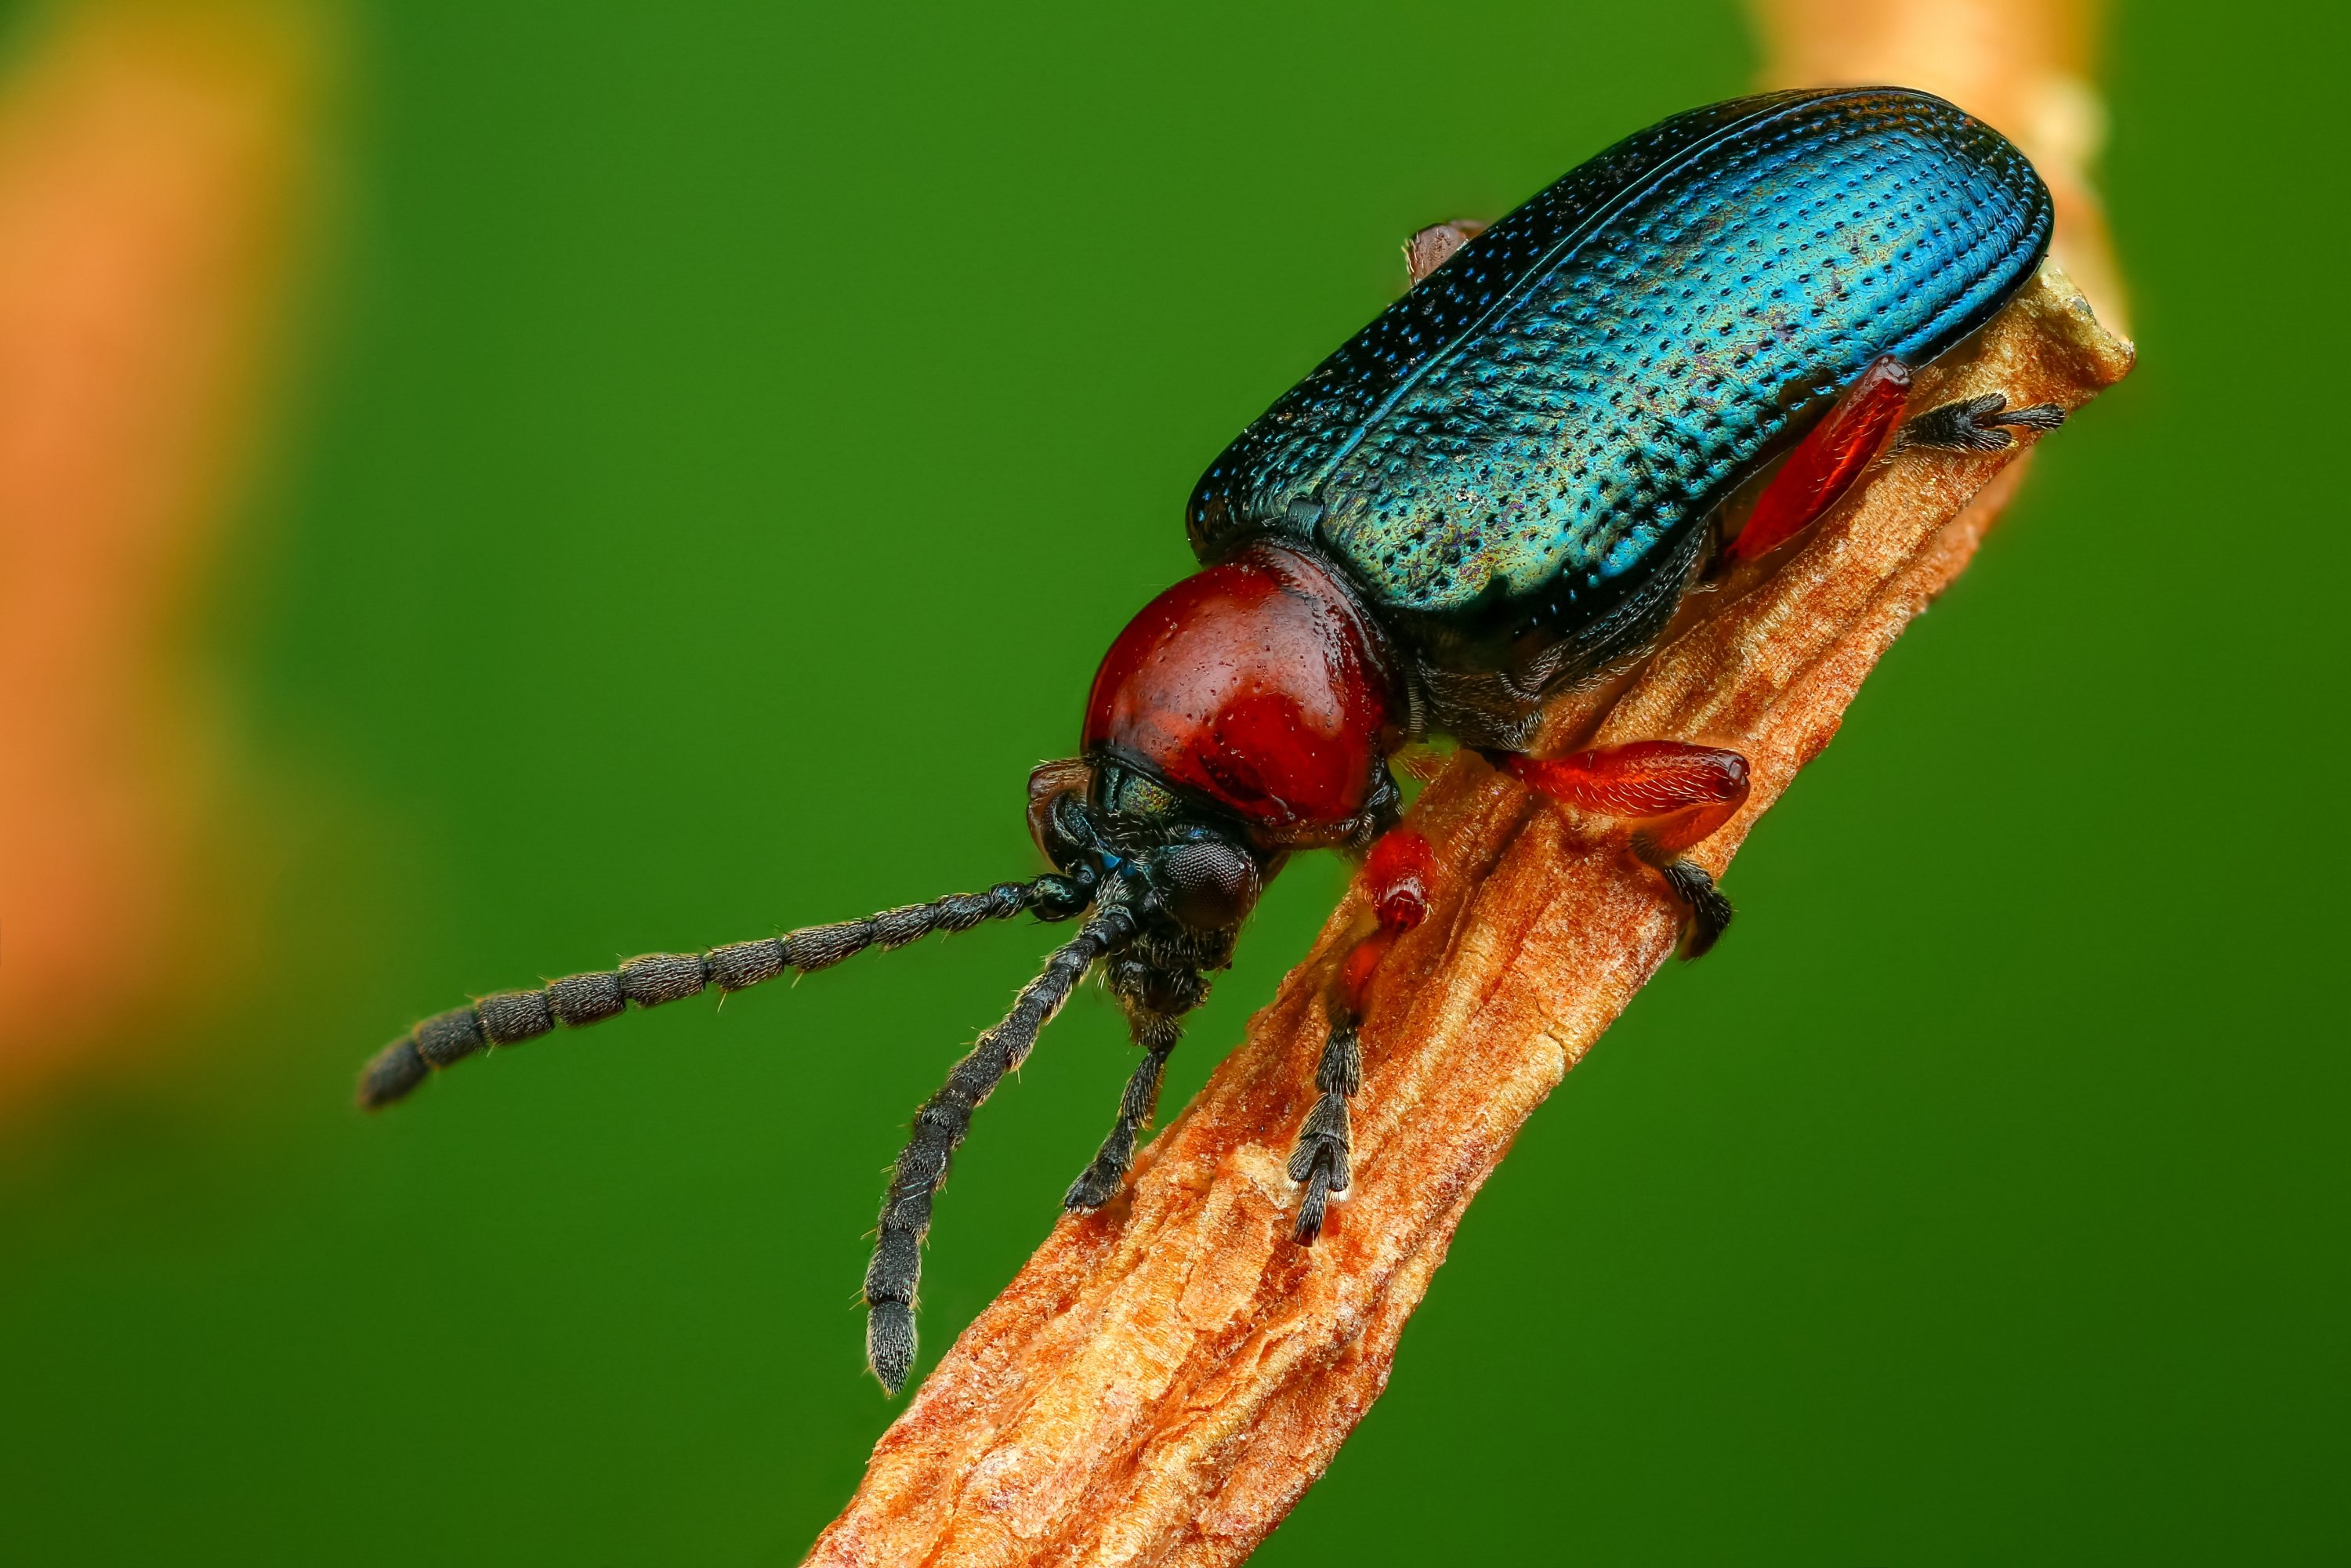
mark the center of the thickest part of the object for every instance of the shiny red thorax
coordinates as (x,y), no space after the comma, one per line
(1257,683)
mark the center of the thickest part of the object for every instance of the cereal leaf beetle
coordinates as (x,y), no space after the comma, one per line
(1498,490)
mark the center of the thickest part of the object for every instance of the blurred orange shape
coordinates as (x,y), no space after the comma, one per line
(149,157)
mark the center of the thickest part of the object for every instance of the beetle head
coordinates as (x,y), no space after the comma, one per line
(1134,842)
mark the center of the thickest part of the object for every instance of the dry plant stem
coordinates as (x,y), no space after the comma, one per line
(1168,1375)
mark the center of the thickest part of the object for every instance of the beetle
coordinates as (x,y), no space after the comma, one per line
(1500,491)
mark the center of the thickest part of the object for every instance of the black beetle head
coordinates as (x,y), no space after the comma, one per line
(1103,824)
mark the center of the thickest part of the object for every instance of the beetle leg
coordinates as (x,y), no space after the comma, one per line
(1974,425)
(1676,795)
(1155,1001)
(1829,459)
(1398,872)
(1433,246)
(940,1123)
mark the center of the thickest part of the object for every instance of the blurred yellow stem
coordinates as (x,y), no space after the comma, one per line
(148,157)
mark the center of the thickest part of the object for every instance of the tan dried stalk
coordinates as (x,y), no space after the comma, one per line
(1165,1377)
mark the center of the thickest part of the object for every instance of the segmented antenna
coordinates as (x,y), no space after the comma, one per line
(577,1000)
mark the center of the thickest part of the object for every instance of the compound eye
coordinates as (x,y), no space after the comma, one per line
(1209,884)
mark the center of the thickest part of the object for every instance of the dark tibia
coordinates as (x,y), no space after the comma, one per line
(1156,995)
(940,1127)
(1156,1033)
(579,999)
(1322,1158)
(1975,424)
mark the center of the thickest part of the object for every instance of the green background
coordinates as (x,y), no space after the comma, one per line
(730,438)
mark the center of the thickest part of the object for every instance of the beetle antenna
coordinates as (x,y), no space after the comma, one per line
(657,978)
(940,1126)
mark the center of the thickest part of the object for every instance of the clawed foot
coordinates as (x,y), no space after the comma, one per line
(1100,1182)
(1975,424)
(1321,1163)
(1709,914)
